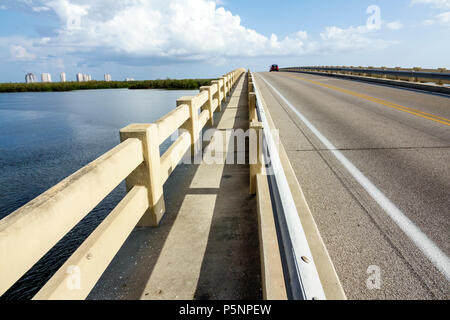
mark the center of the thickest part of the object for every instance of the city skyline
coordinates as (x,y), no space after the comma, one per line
(54,35)
(79,77)
(47,77)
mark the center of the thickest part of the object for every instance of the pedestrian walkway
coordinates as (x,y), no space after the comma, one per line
(206,246)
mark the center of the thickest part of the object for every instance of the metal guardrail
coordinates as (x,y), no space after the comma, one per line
(303,282)
(438,76)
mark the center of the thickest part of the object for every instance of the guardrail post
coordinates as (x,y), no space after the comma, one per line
(217,94)
(148,173)
(384,76)
(396,76)
(441,70)
(416,69)
(209,104)
(191,125)
(256,160)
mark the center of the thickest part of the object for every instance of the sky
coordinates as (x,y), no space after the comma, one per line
(157,39)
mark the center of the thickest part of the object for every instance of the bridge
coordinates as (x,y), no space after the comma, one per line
(310,183)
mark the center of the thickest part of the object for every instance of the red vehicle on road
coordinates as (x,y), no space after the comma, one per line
(274,67)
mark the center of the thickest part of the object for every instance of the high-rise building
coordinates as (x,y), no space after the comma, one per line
(63,77)
(46,77)
(108,77)
(30,78)
(83,77)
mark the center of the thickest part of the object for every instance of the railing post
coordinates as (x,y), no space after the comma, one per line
(209,104)
(225,78)
(148,173)
(252,107)
(191,125)
(256,160)
(218,93)
(225,89)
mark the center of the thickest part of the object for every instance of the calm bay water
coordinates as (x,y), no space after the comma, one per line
(45,137)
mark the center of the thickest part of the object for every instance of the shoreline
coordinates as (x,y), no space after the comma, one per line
(168,84)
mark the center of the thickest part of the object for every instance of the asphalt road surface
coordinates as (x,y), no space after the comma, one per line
(374,164)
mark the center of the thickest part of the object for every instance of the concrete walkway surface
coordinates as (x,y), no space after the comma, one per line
(206,246)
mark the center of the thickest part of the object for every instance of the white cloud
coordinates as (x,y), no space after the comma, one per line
(175,29)
(440,4)
(20,53)
(40,9)
(154,31)
(395,25)
(302,35)
(338,39)
(443,18)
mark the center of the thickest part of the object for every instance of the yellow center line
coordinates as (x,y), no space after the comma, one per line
(409,110)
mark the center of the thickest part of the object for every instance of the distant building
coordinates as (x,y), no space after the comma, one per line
(63,77)
(129,79)
(108,77)
(46,77)
(84,77)
(30,78)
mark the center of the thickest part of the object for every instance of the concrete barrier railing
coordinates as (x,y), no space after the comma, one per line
(27,234)
(439,76)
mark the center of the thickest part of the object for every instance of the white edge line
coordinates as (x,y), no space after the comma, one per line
(437,257)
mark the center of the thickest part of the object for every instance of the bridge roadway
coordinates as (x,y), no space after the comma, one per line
(399,140)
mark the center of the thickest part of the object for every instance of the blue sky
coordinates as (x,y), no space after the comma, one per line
(149,39)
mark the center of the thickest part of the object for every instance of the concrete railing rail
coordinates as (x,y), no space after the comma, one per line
(27,234)
(439,76)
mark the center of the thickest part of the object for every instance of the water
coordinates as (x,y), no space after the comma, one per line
(45,137)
